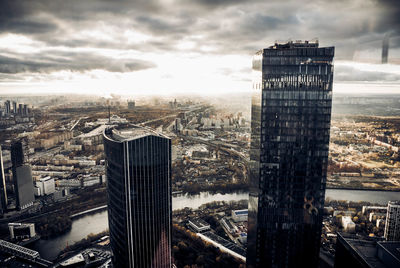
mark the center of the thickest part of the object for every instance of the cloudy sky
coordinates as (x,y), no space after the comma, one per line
(169,46)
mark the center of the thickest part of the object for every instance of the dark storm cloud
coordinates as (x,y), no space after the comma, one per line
(22,17)
(217,2)
(391,21)
(228,26)
(210,4)
(247,30)
(160,26)
(58,61)
(27,26)
(50,16)
(260,21)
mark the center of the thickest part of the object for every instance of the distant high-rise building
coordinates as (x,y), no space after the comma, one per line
(20,109)
(17,154)
(392,226)
(24,190)
(3,189)
(15,110)
(7,107)
(22,177)
(138,174)
(131,104)
(385,49)
(25,111)
(178,126)
(291,113)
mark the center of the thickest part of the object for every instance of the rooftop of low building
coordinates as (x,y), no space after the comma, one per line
(199,222)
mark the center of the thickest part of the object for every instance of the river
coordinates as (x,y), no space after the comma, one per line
(195,201)
(379,197)
(96,223)
(81,227)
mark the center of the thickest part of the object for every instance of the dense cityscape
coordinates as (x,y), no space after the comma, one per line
(63,145)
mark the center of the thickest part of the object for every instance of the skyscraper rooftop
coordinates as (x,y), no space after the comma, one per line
(132,132)
(295,44)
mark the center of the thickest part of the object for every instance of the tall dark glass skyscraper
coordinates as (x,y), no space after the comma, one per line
(139,196)
(22,177)
(17,154)
(291,113)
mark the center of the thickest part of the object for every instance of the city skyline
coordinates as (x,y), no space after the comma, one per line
(167,47)
(210,149)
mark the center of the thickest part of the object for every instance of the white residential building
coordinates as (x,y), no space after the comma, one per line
(348,225)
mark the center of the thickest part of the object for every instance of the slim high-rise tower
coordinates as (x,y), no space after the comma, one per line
(392,226)
(291,113)
(14,105)
(17,154)
(7,107)
(22,177)
(385,49)
(139,196)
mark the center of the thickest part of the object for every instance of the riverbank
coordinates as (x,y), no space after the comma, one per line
(224,188)
(82,244)
(53,225)
(362,189)
(58,221)
(89,211)
(353,195)
(92,223)
(188,249)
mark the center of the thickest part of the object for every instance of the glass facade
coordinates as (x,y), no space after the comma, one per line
(392,225)
(3,190)
(291,113)
(139,198)
(22,177)
(17,154)
(24,191)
